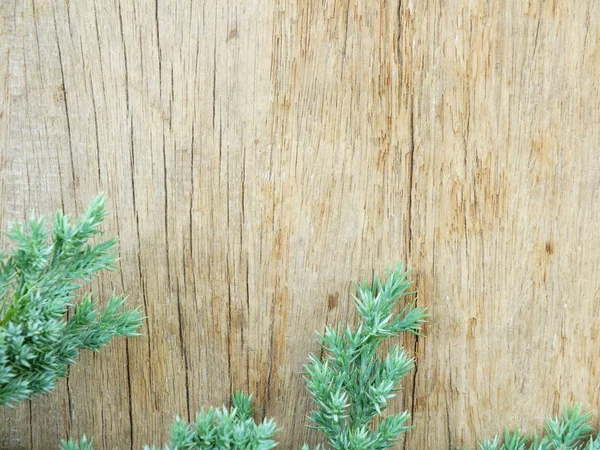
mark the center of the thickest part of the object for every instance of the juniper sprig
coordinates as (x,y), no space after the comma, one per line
(38,282)
(223,429)
(353,383)
(571,431)
(82,444)
(213,429)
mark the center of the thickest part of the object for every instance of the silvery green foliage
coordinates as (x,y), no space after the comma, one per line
(38,280)
(571,431)
(214,429)
(83,444)
(351,386)
(354,381)
(223,429)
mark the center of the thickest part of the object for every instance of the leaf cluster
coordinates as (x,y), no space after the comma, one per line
(39,278)
(571,431)
(354,381)
(214,429)
(351,385)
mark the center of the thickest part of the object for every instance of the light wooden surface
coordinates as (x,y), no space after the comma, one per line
(258,157)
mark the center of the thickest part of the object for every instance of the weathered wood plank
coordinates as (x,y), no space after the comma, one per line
(259,157)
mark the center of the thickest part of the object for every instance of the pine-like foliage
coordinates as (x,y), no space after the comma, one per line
(351,386)
(38,280)
(353,383)
(223,429)
(215,429)
(571,431)
(83,444)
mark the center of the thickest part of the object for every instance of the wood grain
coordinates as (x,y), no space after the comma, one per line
(259,156)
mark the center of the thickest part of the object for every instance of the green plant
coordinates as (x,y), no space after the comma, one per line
(351,385)
(38,282)
(213,429)
(571,431)
(83,444)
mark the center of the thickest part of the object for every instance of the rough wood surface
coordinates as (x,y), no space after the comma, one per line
(258,156)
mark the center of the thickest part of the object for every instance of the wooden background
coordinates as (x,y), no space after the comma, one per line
(259,156)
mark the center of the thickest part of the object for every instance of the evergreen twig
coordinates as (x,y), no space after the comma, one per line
(352,385)
(38,283)
(571,431)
